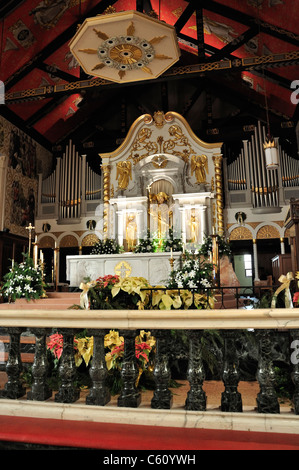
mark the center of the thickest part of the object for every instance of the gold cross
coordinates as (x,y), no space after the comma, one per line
(30,228)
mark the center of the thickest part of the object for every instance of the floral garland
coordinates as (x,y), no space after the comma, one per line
(145,245)
(224,248)
(105,247)
(23,280)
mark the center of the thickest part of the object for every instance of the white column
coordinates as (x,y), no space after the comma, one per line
(255,260)
(202,223)
(183,223)
(139,220)
(120,227)
(3,169)
(282,247)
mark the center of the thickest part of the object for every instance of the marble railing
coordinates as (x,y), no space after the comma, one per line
(41,322)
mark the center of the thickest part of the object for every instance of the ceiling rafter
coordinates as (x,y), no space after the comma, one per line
(271,76)
(185,16)
(200,31)
(21,124)
(9,7)
(252,64)
(41,113)
(236,43)
(58,42)
(248,20)
(56,72)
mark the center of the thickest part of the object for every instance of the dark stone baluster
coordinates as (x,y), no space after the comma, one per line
(67,392)
(13,388)
(129,395)
(231,400)
(196,397)
(162,398)
(99,393)
(40,390)
(295,361)
(267,401)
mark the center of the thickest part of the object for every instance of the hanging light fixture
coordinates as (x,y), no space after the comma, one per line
(270,147)
(125,46)
(271,154)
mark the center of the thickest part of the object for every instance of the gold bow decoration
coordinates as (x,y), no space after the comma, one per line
(285,285)
(84,302)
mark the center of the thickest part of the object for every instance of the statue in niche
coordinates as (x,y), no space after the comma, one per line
(199,166)
(123,174)
(160,213)
(131,231)
(193,227)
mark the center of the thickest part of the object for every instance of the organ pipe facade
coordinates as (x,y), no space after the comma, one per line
(68,192)
(248,183)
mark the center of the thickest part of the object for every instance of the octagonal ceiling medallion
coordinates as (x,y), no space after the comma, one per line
(125,47)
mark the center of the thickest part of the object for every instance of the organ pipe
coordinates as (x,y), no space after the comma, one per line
(249,171)
(65,188)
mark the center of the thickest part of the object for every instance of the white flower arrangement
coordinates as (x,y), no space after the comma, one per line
(23,280)
(106,247)
(194,274)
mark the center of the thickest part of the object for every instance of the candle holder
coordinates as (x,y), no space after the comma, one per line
(42,267)
(171,260)
(55,267)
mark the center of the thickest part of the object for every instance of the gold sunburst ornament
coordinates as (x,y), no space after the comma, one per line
(145,48)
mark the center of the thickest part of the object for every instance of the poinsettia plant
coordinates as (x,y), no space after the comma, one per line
(114,345)
(296,295)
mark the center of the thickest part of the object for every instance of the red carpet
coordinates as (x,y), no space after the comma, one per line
(88,435)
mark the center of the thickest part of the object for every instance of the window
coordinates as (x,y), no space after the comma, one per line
(248,265)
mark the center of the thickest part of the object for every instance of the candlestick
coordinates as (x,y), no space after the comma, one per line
(30,228)
(35,252)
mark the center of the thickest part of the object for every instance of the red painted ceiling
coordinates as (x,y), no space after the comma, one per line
(35,24)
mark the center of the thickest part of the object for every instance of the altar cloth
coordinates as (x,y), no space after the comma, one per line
(155,267)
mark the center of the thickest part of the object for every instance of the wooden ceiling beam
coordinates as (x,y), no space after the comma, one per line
(53,70)
(8,114)
(41,113)
(248,20)
(58,42)
(185,16)
(9,7)
(236,43)
(200,31)
(254,69)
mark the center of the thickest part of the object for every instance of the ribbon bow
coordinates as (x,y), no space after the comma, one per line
(285,280)
(84,302)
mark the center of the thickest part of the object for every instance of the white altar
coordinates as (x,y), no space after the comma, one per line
(155,267)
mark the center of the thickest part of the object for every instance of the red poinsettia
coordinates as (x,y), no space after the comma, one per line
(107,281)
(296,298)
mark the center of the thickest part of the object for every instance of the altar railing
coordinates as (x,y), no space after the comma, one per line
(97,322)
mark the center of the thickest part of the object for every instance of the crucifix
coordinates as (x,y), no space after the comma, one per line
(30,228)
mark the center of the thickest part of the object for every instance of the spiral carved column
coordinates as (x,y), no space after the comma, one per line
(217,159)
(106,196)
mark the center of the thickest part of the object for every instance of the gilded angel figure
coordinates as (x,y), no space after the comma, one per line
(123,174)
(199,166)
